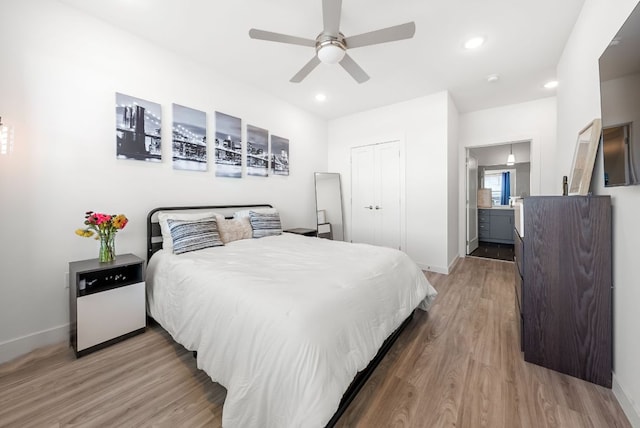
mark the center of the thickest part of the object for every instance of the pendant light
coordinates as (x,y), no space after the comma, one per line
(511,159)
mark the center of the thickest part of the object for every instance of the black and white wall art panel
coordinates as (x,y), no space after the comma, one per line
(138,129)
(279,155)
(228,146)
(189,138)
(257,151)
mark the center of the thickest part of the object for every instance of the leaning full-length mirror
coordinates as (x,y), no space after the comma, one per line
(329,206)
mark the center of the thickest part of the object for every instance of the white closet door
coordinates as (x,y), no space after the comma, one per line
(375,195)
(362,195)
(387,200)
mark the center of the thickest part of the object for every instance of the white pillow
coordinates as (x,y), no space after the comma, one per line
(245,213)
(163,216)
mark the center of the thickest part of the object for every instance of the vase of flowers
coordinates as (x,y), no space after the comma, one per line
(104,227)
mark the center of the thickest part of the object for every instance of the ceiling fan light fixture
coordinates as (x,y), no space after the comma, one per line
(330,53)
(331,45)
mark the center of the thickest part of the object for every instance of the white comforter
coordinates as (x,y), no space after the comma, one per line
(284,322)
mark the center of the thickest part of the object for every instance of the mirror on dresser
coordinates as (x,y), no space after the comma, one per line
(329,206)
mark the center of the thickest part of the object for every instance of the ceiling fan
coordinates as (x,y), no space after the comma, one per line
(331,45)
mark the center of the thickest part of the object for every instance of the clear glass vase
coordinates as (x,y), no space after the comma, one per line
(107,247)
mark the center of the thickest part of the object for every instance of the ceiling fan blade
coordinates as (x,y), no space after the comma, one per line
(304,71)
(391,34)
(354,69)
(281,38)
(331,16)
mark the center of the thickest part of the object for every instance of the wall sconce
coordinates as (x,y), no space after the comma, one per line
(511,159)
(6,139)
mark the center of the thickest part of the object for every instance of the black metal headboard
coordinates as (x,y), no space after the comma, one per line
(154,235)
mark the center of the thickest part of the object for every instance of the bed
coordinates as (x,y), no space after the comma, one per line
(292,326)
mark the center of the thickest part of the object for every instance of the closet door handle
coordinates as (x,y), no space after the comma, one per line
(370,207)
(378,207)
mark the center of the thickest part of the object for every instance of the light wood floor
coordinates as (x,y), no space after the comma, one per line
(459,365)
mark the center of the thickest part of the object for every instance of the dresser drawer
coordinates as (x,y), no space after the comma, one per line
(518,252)
(518,290)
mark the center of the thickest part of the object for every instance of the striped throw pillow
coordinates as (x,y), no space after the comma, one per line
(265,224)
(192,235)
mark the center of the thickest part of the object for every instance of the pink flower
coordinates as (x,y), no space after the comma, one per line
(102,218)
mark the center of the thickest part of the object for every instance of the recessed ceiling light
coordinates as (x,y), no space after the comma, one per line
(551,84)
(474,43)
(321,97)
(493,78)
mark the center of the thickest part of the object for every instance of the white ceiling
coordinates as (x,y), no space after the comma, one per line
(524,42)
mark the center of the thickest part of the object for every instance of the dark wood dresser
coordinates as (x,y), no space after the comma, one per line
(563,285)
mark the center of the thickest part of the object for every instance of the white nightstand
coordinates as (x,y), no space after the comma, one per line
(106,302)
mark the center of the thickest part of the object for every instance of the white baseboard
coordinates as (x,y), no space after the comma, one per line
(439,269)
(22,345)
(627,404)
(436,269)
(453,264)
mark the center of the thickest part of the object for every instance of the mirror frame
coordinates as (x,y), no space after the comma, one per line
(315,182)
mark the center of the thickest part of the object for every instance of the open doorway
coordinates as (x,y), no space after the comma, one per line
(497,177)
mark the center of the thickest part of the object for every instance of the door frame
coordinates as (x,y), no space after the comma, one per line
(403,188)
(472,244)
(534,185)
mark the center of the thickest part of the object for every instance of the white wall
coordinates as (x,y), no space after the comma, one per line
(452,182)
(534,121)
(422,126)
(59,74)
(578,104)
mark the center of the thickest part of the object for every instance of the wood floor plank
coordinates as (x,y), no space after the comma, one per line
(459,365)
(483,404)
(516,411)
(442,395)
(394,406)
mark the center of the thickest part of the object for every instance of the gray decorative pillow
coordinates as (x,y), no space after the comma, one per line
(265,224)
(192,235)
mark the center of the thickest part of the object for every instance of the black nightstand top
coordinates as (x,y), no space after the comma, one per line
(94,264)
(302,231)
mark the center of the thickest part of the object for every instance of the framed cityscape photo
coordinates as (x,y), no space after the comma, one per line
(138,129)
(279,155)
(257,151)
(228,146)
(189,141)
